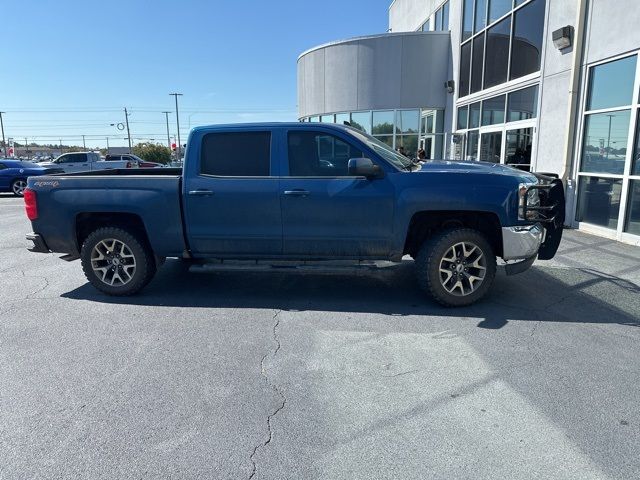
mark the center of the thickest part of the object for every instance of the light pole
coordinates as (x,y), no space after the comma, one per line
(166,116)
(84,145)
(107,145)
(176,95)
(26,148)
(126,117)
(4,143)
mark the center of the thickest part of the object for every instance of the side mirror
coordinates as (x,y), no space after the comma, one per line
(364,167)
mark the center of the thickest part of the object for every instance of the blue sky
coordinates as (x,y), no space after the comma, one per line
(70,66)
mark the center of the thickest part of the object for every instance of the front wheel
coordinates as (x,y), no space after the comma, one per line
(116,261)
(456,267)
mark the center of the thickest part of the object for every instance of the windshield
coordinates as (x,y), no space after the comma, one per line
(382,149)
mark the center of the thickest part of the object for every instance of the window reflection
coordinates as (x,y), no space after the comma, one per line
(383,122)
(465,62)
(498,8)
(523,104)
(462,117)
(480,15)
(467,22)
(472,145)
(476,63)
(633,215)
(527,39)
(605,142)
(407,121)
(493,110)
(497,57)
(611,84)
(599,201)
(474,115)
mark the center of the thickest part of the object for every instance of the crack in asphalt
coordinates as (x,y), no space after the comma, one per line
(275,388)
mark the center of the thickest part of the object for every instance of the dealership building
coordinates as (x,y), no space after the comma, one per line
(542,85)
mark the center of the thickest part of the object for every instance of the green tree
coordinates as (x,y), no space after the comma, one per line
(152,152)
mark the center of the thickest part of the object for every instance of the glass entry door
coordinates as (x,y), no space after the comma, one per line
(491,147)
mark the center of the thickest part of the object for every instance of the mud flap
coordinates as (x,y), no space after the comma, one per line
(554,226)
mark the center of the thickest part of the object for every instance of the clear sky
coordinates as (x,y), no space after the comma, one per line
(70,66)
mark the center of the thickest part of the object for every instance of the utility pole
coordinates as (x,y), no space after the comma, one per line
(84,145)
(107,145)
(166,116)
(126,117)
(4,143)
(176,95)
(26,147)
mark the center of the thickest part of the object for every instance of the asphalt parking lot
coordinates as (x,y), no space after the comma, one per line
(275,376)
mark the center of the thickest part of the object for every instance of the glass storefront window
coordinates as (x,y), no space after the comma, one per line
(518,148)
(497,8)
(438,25)
(599,201)
(407,121)
(633,208)
(326,118)
(474,115)
(463,113)
(526,49)
(426,26)
(604,147)
(523,104)
(341,118)
(314,119)
(445,16)
(382,122)
(361,121)
(409,143)
(635,164)
(493,110)
(497,55)
(611,84)
(472,145)
(480,16)
(465,68)
(388,139)
(467,19)
(491,147)
(476,63)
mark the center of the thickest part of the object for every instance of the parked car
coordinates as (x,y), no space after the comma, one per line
(85,161)
(133,158)
(300,196)
(14,174)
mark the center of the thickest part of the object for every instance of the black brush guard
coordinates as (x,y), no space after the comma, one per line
(550,213)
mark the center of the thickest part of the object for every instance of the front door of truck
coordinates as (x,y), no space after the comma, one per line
(232,203)
(326,213)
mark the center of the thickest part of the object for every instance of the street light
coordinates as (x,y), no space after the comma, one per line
(176,95)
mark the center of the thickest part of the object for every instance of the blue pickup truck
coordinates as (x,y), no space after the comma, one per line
(285,196)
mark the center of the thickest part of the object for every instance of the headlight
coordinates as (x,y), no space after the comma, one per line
(532,200)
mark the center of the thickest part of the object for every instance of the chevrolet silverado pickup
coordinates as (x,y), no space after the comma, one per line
(86,161)
(299,196)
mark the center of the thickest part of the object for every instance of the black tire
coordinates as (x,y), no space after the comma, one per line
(18,186)
(436,251)
(136,278)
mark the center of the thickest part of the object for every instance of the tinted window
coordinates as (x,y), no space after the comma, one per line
(318,154)
(463,112)
(476,63)
(481,15)
(528,29)
(605,142)
(498,8)
(497,56)
(236,154)
(467,23)
(493,110)
(445,16)
(438,20)
(635,166)
(465,59)
(474,115)
(599,201)
(611,84)
(74,158)
(523,104)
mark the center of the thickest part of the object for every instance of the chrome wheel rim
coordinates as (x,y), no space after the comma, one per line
(462,269)
(113,262)
(19,186)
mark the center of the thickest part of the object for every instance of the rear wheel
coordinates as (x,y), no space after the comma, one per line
(18,186)
(456,267)
(117,262)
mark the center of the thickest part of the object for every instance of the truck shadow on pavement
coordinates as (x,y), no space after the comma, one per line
(540,294)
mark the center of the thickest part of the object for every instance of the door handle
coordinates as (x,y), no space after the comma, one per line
(201,193)
(84,164)
(297,193)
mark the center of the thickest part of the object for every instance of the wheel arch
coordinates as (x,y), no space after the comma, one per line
(87,222)
(424,224)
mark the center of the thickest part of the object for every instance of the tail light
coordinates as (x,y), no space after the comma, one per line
(30,204)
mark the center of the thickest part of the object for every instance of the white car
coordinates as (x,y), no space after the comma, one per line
(86,161)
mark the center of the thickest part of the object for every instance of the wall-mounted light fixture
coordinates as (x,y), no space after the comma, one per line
(450,85)
(562,37)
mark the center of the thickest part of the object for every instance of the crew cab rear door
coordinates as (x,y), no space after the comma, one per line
(232,204)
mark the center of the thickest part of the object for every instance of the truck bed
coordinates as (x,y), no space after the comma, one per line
(150,196)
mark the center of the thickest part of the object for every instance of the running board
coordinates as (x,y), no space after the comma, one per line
(315,267)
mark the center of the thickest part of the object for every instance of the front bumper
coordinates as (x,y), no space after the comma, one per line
(521,241)
(39,245)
